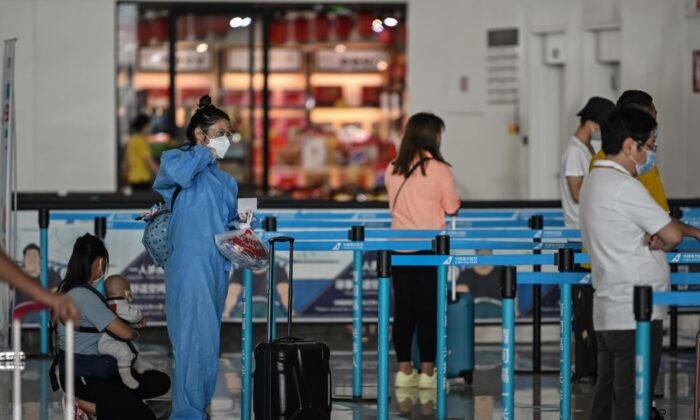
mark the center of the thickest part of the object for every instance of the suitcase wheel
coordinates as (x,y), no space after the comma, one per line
(468,376)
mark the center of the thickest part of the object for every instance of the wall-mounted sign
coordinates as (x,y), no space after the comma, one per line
(352,61)
(186,60)
(281,60)
(503,67)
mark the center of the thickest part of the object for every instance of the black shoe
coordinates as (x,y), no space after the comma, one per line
(657,414)
(585,379)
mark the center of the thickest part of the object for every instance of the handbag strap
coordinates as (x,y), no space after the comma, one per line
(408,175)
(178,189)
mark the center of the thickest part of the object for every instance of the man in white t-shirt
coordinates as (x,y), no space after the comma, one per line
(626,233)
(577,157)
(574,168)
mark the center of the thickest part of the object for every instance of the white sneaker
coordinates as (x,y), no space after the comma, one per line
(403,380)
(430,381)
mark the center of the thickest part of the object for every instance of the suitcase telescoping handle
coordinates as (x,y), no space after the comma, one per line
(696,410)
(20,312)
(271,289)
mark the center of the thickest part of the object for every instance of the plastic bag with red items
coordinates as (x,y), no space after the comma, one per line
(243,248)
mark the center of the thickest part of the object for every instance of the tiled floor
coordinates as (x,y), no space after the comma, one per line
(537,397)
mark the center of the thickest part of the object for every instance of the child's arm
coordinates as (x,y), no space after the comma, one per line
(129,313)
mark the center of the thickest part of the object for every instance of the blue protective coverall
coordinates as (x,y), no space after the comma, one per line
(196,274)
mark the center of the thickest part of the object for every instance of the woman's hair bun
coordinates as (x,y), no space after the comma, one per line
(204,101)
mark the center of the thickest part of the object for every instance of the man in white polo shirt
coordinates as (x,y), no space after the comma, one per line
(626,233)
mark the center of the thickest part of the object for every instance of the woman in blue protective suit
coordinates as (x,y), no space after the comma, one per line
(196,274)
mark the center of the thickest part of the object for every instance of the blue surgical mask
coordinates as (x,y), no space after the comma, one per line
(596,135)
(99,285)
(647,165)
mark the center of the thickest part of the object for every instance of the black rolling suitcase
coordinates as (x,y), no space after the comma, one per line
(696,409)
(292,377)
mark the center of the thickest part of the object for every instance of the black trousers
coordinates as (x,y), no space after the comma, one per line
(614,393)
(585,344)
(115,401)
(415,306)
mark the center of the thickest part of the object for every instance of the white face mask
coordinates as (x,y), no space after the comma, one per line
(221,145)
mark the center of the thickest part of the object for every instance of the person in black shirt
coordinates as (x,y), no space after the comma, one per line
(235,310)
(483,282)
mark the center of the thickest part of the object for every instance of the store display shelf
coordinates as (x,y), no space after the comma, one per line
(273,108)
(370,108)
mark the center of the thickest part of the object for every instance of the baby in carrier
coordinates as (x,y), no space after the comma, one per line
(118,294)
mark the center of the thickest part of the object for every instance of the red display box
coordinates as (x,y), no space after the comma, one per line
(328,95)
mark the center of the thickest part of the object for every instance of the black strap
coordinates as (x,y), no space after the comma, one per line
(93,330)
(408,175)
(178,189)
(53,374)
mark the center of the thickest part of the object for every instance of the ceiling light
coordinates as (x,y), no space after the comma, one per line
(202,48)
(390,22)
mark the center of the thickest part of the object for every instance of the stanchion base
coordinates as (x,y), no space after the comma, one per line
(344,394)
(39,356)
(347,398)
(532,372)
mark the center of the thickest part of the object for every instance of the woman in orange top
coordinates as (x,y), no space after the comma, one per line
(421,190)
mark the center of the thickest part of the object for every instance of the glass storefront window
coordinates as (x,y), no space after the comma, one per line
(335,82)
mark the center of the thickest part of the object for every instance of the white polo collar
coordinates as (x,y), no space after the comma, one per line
(604,163)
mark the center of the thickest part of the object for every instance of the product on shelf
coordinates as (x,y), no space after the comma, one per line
(190,95)
(143,32)
(219,25)
(343,27)
(182,28)
(159,29)
(314,153)
(328,95)
(301,29)
(292,98)
(365,19)
(278,30)
(370,96)
(322,27)
(233,97)
(200,26)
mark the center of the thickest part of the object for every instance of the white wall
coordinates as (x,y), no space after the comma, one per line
(65,93)
(66,88)
(690,109)
(654,58)
(656,43)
